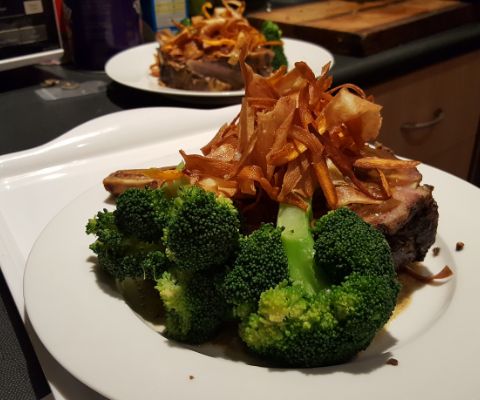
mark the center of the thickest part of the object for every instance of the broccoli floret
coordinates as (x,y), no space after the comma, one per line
(203,229)
(310,319)
(291,327)
(272,32)
(142,213)
(303,296)
(344,243)
(298,329)
(103,226)
(123,256)
(261,264)
(194,304)
(182,239)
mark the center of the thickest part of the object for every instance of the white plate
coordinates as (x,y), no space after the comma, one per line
(91,331)
(131,68)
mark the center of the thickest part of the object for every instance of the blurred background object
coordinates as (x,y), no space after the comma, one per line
(100,29)
(159,14)
(28,33)
(360,28)
(195,6)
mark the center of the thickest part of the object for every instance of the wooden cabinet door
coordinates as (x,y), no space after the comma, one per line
(432,114)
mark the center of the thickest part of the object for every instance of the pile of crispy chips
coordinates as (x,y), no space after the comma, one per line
(295,134)
(222,34)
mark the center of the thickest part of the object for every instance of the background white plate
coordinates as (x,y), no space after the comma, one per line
(91,331)
(131,68)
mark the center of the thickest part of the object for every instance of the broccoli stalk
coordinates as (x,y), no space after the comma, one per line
(271,255)
(298,244)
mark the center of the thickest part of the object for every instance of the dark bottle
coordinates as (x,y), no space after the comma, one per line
(102,28)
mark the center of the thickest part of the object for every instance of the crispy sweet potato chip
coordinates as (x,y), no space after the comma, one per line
(382,163)
(206,166)
(361,116)
(294,135)
(326,183)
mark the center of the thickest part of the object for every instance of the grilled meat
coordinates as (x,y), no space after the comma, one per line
(211,75)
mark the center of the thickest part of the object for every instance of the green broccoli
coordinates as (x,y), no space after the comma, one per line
(302,296)
(344,243)
(180,236)
(203,229)
(272,32)
(123,256)
(201,238)
(311,320)
(261,264)
(194,304)
(142,213)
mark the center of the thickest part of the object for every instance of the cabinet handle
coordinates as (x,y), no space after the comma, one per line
(438,115)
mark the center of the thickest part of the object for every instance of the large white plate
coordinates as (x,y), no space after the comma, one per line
(92,332)
(131,68)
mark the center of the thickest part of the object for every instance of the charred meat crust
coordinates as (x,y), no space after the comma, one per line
(411,242)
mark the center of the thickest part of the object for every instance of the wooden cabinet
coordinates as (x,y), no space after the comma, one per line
(432,115)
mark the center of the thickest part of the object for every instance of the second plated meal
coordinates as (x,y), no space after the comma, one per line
(204,54)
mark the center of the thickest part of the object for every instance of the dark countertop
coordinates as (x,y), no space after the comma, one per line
(49,119)
(26,121)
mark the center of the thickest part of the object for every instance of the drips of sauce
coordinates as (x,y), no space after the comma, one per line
(409,286)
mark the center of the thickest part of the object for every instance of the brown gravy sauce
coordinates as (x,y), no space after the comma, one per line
(409,286)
